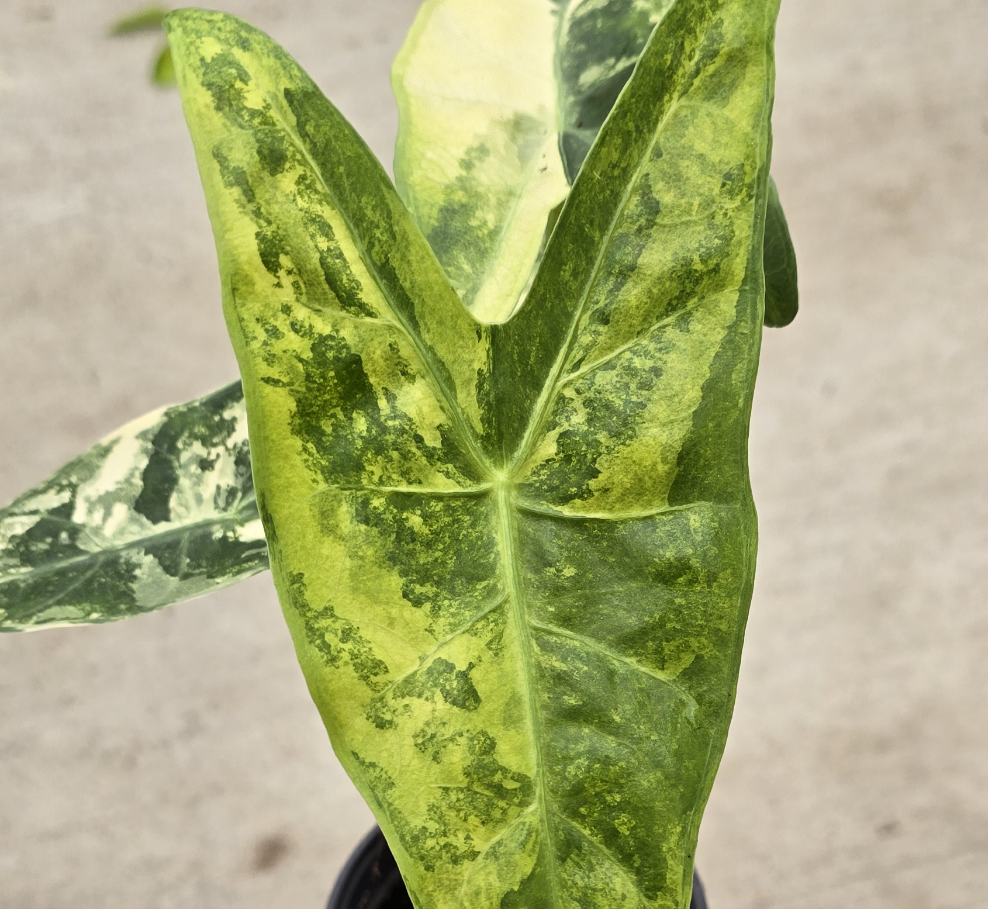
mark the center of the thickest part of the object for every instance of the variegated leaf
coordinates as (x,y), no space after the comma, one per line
(495,98)
(477,160)
(516,559)
(160,511)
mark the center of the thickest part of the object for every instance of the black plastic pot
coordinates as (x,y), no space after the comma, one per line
(370,880)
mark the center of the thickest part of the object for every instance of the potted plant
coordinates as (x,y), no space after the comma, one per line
(498,415)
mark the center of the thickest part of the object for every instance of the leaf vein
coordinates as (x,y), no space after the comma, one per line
(463,629)
(616,656)
(661,510)
(129,545)
(494,841)
(630,345)
(523,627)
(608,855)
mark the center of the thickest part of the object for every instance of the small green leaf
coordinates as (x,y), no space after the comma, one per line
(781,287)
(160,511)
(516,559)
(149,19)
(163,73)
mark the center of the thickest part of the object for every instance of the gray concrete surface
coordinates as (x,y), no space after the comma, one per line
(176,761)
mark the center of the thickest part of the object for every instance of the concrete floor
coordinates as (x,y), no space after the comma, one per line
(176,761)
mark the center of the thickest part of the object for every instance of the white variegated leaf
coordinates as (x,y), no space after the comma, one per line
(477,161)
(159,511)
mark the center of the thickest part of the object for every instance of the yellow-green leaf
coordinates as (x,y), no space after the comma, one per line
(516,559)
(493,100)
(477,158)
(161,510)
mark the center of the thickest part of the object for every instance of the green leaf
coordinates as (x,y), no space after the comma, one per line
(148,19)
(516,559)
(484,93)
(781,288)
(163,72)
(162,510)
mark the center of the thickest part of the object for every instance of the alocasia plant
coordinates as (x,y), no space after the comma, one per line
(480,189)
(498,427)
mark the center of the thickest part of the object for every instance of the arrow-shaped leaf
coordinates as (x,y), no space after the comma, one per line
(162,510)
(516,559)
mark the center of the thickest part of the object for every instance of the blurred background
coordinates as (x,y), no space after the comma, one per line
(176,760)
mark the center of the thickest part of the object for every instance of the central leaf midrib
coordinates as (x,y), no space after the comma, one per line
(518,611)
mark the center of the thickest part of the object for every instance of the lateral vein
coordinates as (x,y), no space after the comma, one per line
(611,858)
(603,650)
(630,345)
(514,822)
(532,508)
(463,629)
